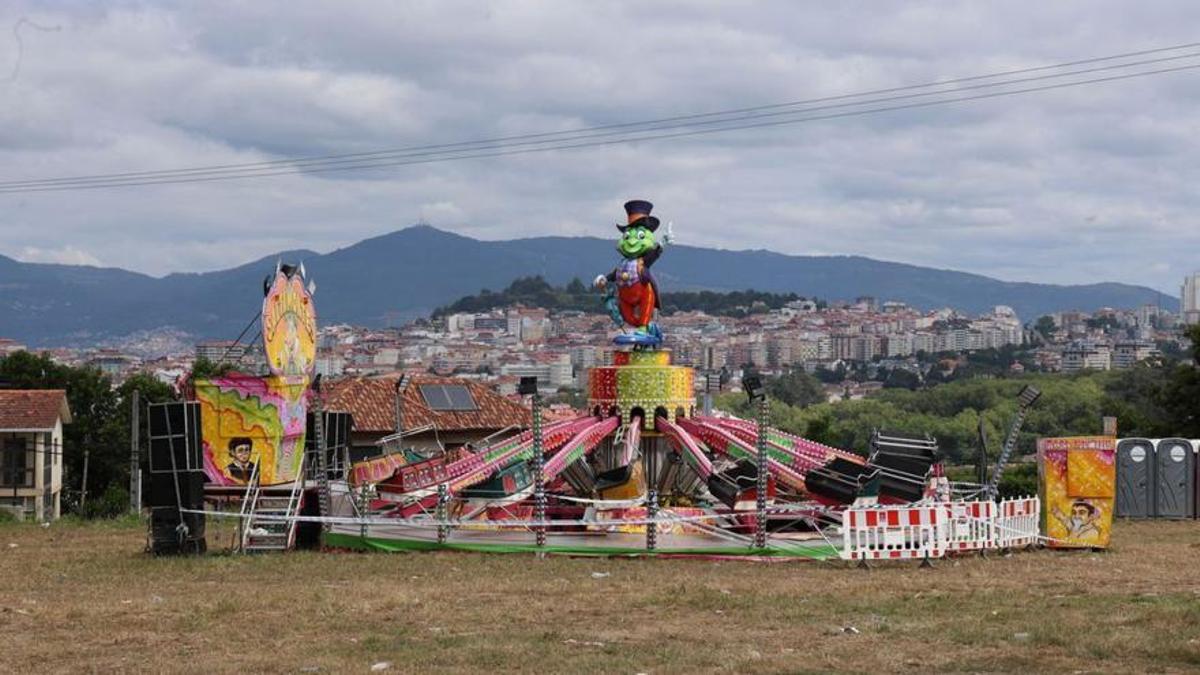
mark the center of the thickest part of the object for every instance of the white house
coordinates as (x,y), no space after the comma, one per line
(31,451)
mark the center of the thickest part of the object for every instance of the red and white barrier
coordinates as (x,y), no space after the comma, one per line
(1017,522)
(972,525)
(894,532)
(925,531)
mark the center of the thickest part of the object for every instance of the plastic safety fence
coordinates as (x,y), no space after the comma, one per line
(926,531)
(1017,522)
(895,532)
(972,526)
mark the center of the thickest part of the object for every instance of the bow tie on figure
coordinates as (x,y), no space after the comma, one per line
(631,292)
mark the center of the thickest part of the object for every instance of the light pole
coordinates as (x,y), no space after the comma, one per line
(757,395)
(528,387)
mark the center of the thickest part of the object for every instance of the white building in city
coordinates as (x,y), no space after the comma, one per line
(1189,299)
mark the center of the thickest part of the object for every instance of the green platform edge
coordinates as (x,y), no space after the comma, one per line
(356,542)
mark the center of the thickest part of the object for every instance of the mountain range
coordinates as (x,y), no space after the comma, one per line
(409,272)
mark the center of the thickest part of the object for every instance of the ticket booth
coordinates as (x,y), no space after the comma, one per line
(1077,481)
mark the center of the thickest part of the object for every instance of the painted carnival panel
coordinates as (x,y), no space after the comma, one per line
(1078,486)
(251,424)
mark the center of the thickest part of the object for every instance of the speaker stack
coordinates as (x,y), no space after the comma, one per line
(176,479)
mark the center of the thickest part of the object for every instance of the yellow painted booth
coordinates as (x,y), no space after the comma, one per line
(1077,483)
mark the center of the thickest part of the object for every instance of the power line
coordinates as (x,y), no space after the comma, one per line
(324,165)
(377,154)
(585,137)
(318,165)
(624,125)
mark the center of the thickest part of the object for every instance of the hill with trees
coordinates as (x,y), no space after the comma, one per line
(535,291)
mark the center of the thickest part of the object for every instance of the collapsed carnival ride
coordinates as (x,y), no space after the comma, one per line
(641,471)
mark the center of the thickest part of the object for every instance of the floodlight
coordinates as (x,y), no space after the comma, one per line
(528,386)
(754,387)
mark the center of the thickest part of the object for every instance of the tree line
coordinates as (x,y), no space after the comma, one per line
(535,291)
(100,427)
(1155,400)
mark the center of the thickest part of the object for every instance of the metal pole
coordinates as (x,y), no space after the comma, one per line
(324,497)
(443,498)
(760,532)
(539,476)
(1010,444)
(398,408)
(135,428)
(83,488)
(652,513)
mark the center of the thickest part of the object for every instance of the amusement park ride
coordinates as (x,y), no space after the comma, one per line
(640,471)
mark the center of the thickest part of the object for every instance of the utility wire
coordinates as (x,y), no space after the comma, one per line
(626,125)
(380,164)
(586,137)
(316,165)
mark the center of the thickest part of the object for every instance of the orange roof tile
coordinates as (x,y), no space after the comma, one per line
(371,400)
(33,409)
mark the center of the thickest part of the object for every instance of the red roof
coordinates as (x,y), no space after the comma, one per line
(371,400)
(33,409)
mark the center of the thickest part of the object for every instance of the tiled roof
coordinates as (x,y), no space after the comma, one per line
(33,409)
(371,400)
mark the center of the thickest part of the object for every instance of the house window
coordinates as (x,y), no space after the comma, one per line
(16,464)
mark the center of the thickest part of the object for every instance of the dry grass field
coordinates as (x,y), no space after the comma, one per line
(84,598)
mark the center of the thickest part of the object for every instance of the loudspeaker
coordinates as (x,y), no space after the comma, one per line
(337,430)
(166,536)
(175,437)
(190,492)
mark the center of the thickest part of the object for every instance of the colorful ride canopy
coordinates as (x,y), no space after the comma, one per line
(254,426)
(289,327)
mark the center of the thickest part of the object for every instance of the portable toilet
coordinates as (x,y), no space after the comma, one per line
(1196,481)
(1135,478)
(1077,482)
(1174,479)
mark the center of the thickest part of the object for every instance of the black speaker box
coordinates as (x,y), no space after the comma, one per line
(190,492)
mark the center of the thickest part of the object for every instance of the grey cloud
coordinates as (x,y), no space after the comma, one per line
(1075,185)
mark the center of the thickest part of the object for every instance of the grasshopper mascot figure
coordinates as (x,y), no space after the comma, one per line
(631,294)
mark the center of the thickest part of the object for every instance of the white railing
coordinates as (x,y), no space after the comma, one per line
(294,498)
(249,500)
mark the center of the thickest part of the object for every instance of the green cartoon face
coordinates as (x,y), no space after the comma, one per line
(636,242)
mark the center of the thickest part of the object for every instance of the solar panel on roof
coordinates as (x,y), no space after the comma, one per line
(460,397)
(448,397)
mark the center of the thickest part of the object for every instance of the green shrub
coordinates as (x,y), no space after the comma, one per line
(113,502)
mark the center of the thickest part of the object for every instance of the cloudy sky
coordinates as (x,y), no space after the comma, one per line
(1072,185)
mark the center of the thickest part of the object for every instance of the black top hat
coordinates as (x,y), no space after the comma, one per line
(638,211)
